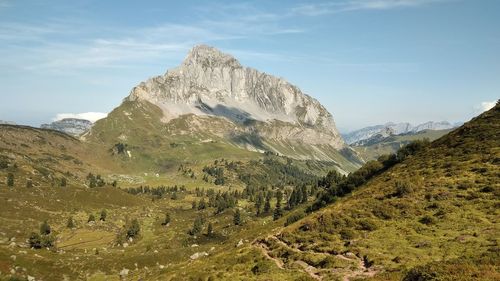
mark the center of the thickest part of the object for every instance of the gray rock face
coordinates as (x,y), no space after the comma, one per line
(71,126)
(391,129)
(211,83)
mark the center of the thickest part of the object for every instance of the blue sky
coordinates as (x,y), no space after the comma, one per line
(367,61)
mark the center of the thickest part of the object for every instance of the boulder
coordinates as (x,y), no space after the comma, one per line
(198,255)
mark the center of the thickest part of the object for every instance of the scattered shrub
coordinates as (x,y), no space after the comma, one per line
(403,188)
(35,240)
(166,220)
(368,225)
(347,234)
(427,220)
(70,223)
(261,267)
(133,229)
(293,218)
(103,216)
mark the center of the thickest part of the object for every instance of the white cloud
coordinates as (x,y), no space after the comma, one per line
(91,116)
(487,105)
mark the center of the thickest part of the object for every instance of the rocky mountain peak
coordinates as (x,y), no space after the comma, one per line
(212,83)
(209,57)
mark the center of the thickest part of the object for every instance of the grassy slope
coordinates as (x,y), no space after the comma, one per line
(47,155)
(156,146)
(88,252)
(393,143)
(451,212)
(448,220)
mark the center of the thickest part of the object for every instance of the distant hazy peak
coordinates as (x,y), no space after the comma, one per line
(2,122)
(72,126)
(391,128)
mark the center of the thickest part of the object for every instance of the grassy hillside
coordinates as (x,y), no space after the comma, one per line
(47,156)
(429,211)
(439,205)
(152,145)
(376,148)
(89,250)
(433,216)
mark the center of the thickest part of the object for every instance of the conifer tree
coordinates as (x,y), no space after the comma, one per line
(167,219)
(45,228)
(258,203)
(133,229)
(197,226)
(103,216)
(237,217)
(70,223)
(10,179)
(210,229)
(267,204)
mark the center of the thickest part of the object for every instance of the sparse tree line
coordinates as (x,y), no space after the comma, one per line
(261,197)
(273,172)
(95,180)
(218,200)
(159,192)
(335,185)
(11,181)
(216,172)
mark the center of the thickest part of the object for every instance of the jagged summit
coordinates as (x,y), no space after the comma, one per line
(207,56)
(212,83)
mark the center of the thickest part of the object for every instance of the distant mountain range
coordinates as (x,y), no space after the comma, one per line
(71,126)
(368,134)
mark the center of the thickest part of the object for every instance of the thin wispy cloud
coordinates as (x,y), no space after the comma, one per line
(117,48)
(356,5)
